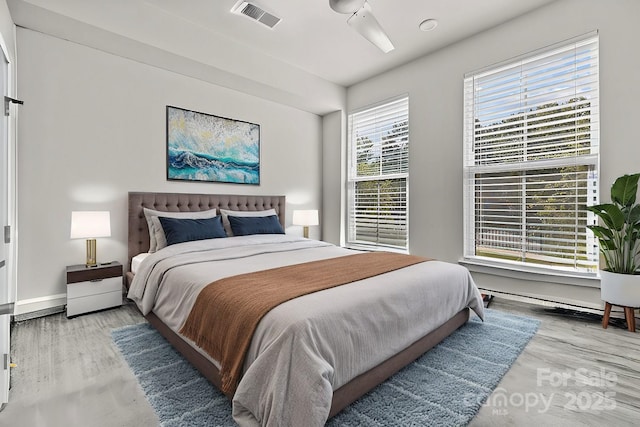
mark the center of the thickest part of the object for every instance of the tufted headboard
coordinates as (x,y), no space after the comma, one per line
(183,202)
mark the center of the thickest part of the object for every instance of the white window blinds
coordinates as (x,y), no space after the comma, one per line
(378,175)
(531,158)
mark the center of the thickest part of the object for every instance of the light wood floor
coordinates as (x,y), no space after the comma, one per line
(572,373)
(70,373)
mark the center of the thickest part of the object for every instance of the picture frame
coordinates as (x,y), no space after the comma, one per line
(209,148)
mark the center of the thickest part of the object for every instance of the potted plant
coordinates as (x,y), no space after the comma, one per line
(619,237)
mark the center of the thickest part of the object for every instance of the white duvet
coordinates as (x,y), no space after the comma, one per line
(305,348)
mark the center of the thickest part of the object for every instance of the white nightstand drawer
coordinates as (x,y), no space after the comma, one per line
(86,304)
(83,297)
(83,289)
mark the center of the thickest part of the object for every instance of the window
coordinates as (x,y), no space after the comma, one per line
(378,175)
(531,159)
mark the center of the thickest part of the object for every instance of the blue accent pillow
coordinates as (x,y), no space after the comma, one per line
(245,225)
(178,230)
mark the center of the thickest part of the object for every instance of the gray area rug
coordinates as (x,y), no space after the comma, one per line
(444,387)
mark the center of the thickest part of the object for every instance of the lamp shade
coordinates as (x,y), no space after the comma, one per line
(305,217)
(90,224)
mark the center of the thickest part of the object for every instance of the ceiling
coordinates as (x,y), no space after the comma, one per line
(306,61)
(311,36)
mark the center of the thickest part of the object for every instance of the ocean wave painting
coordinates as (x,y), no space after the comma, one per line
(203,147)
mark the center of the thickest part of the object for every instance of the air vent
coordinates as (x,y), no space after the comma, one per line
(256,13)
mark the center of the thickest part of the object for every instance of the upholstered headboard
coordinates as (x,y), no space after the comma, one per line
(183,202)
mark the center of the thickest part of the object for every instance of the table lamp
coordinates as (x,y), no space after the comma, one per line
(89,225)
(305,218)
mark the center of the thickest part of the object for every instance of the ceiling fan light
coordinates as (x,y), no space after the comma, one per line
(346,6)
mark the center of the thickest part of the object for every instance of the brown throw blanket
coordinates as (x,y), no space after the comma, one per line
(227,311)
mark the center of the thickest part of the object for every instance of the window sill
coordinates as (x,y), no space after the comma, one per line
(367,248)
(591,280)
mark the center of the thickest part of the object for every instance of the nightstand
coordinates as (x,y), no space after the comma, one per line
(93,288)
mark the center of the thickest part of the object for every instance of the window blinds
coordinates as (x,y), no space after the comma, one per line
(378,175)
(531,158)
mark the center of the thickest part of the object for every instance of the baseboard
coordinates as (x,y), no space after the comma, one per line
(616,312)
(39,307)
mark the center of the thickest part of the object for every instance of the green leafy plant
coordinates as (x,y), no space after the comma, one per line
(619,232)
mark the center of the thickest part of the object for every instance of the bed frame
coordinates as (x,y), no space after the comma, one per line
(181,202)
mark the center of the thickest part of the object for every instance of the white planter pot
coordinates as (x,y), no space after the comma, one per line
(620,289)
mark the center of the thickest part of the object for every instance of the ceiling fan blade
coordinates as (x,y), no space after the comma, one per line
(367,25)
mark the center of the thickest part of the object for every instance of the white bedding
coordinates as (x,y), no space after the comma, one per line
(307,347)
(137,260)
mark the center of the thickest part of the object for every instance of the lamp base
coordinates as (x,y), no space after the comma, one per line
(305,232)
(91,253)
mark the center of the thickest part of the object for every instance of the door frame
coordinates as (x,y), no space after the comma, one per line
(10,251)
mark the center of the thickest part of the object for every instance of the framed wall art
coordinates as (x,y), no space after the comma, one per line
(204,147)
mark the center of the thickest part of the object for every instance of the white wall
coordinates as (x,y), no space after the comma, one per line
(435,87)
(333,176)
(93,128)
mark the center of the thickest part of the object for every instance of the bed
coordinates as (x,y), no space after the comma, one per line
(311,356)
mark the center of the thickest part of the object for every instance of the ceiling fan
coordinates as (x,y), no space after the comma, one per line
(363,21)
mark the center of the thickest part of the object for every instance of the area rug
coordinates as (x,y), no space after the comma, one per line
(444,387)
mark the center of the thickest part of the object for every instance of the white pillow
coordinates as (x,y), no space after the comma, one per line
(227,213)
(156,234)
